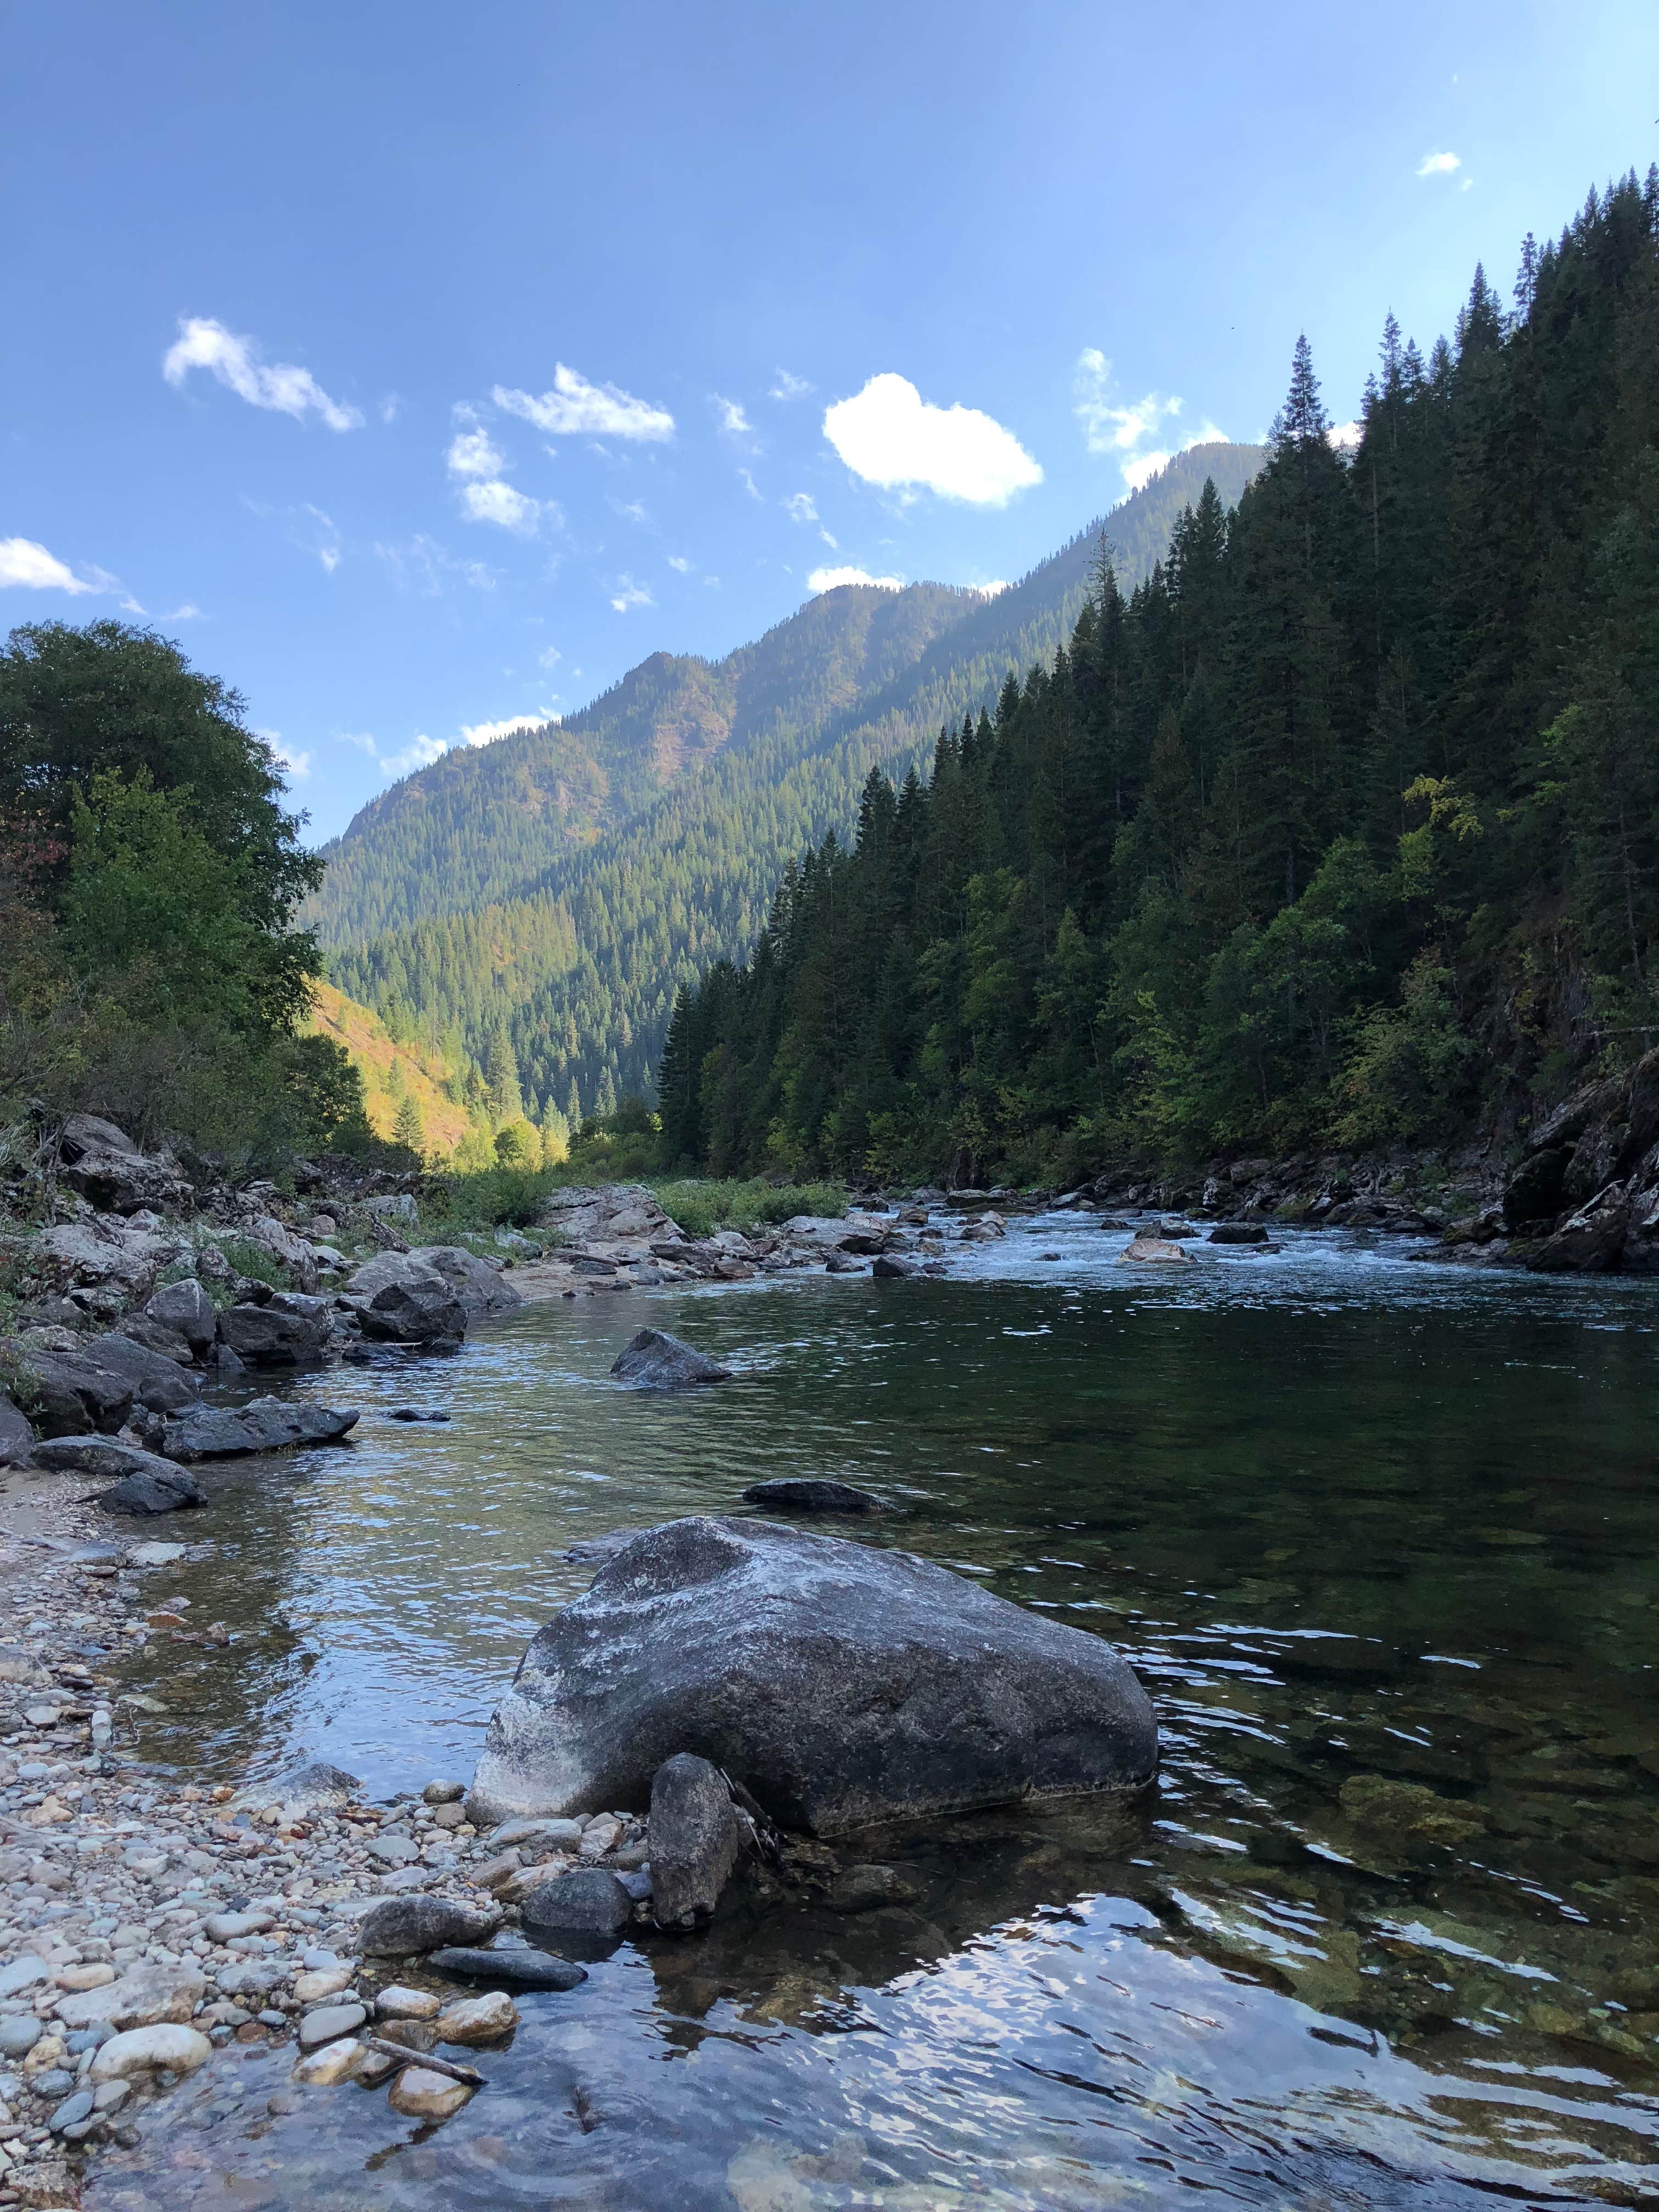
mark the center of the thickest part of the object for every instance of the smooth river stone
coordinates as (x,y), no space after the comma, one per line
(478,2020)
(397,2003)
(321,2070)
(526,1970)
(329,2023)
(148,2050)
(424,2095)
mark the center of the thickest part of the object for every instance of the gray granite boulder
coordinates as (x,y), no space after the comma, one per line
(185,1308)
(657,1361)
(157,1382)
(481,1288)
(587,1902)
(514,1968)
(696,1836)
(67,1393)
(263,1424)
(158,1487)
(399,1300)
(287,1330)
(841,1685)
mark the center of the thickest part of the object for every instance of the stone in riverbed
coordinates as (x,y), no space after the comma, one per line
(399,1300)
(1407,1812)
(178,2049)
(68,1395)
(1152,1251)
(157,1382)
(424,2095)
(329,2023)
(840,1684)
(403,1926)
(159,1486)
(145,1996)
(525,1969)
(890,1267)
(315,1988)
(657,1361)
(334,2062)
(1238,1232)
(865,1888)
(559,1835)
(478,2020)
(263,1424)
(792,1493)
(695,1839)
(587,1902)
(397,2003)
(18,2034)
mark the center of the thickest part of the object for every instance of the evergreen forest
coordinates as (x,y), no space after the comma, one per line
(1340,827)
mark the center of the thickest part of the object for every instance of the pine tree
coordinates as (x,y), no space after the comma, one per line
(406,1130)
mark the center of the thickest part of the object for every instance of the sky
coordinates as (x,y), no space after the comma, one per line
(421,370)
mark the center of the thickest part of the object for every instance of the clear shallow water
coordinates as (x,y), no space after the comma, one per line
(1350,1516)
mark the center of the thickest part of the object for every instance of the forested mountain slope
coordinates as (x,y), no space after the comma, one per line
(573,966)
(1341,828)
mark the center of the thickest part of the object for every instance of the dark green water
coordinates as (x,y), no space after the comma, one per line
(1355,1521)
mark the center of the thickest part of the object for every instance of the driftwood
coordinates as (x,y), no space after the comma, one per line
(401,2052)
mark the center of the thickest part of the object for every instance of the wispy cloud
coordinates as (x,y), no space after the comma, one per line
(327,538)
(830,580)
(574,408)
(628,595)
(749,483)
(234,362)
(1133,432)
(296,765)
(189,612)
(800,507)
(421,564)
(730,418)
(679,563)
(27,566)
(1439,165)
(890,436)
(550,657)
(785,386)
(421,751)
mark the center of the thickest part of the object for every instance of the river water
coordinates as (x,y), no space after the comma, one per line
(1354,1519)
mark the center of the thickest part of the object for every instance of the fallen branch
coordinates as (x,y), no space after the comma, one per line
(468,2075)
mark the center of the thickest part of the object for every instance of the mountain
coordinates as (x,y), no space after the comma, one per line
(548,893)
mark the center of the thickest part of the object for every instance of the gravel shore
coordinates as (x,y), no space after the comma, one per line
(147,1920)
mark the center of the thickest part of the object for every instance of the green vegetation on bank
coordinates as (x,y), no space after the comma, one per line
(1341,828)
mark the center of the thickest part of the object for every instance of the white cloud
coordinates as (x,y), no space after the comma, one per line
(550,656)
(1345,437)
(749,483)
(485,733)
(990,591)
(634,509)
(1141,468)
(296,765)
(325,541)
(282,388)
(1438,165)
(629,594)
(799,508)
(785,386)
(473,454)
(1127,431)
(679,563)
(391,407)
(189,612)
(574,407)
(733,422)
(495,501)
(830,580)
(890,436)
(29,567)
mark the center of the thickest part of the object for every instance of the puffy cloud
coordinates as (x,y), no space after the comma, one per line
(27,566)
(495,501)
(830,580)
(1438,165)
(729,414)
(421,751)
(472,453)
(679,563)
(1345,437)
(890,436)
(990,591)
(485,733)
(574,408)
(281,388)
(785,386)
(1139,472)
(629,594)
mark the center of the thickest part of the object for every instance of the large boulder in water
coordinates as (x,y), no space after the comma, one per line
(843,1685)
(657,1361)
(480,1288)
(399,1300)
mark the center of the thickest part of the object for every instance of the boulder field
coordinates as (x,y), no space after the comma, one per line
(840,1684)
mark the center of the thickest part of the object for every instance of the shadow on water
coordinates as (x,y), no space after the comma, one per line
(1379,1536)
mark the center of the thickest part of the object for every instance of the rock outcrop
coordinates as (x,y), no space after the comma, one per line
(841,1684)
(656,1361)
(107,1168)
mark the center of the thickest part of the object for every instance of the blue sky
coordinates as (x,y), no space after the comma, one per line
(424,368)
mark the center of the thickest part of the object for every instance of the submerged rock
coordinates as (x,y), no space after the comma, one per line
(841,1684)
(263,1424)
(1407,1812)
(808,1493)
(695,1839)
(661,1362)
(525,1969)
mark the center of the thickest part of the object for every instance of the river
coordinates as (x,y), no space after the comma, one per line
(1348,1514)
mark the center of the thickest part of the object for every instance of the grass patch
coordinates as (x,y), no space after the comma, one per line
(701,1208)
